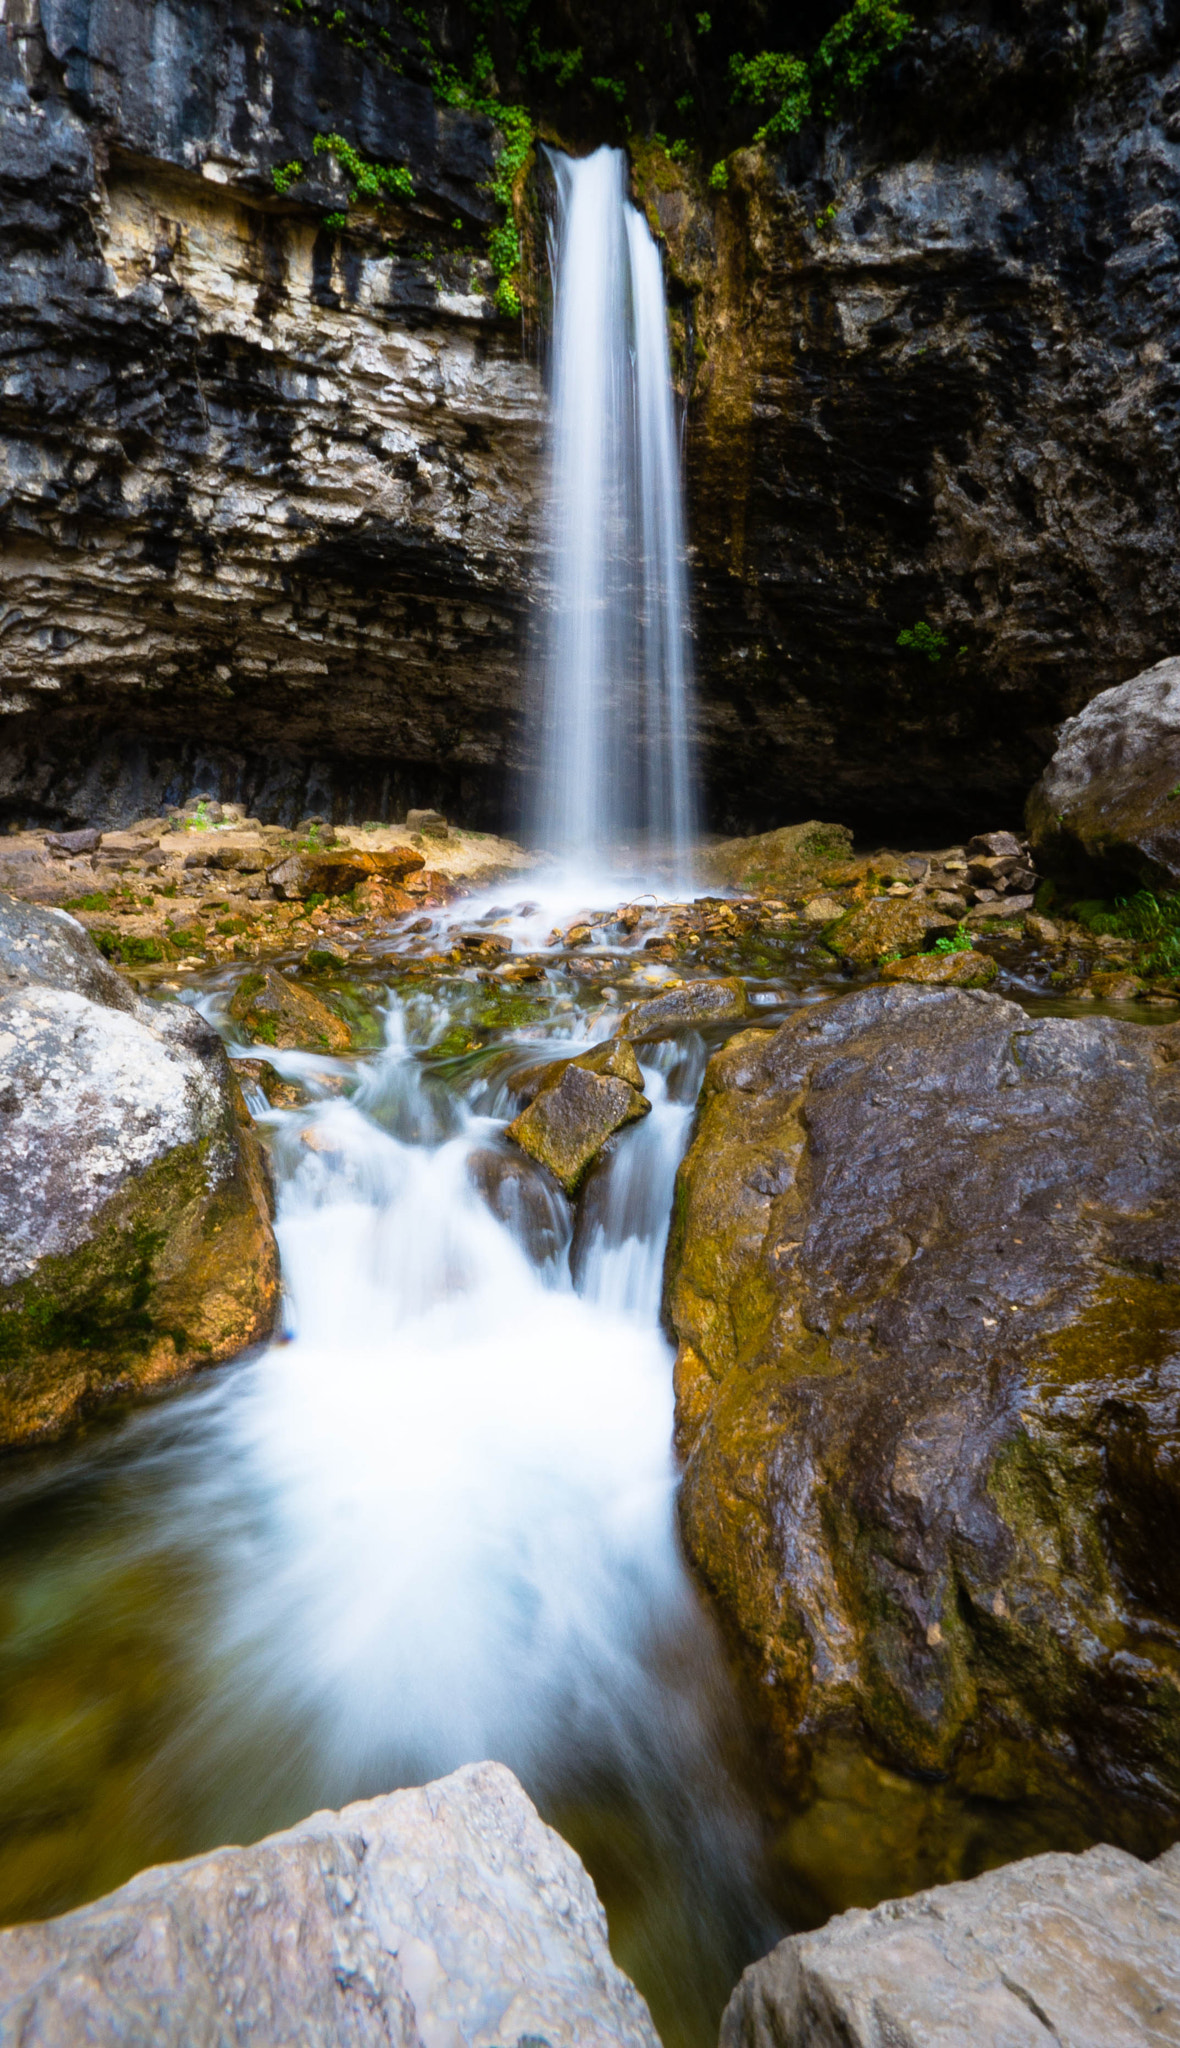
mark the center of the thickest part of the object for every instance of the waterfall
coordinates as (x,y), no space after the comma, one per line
(615,668)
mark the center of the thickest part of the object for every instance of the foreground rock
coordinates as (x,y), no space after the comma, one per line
(445,1914)
(1105,814)
(577,1105)
(925,1278)
(135,1235)
(1080,1950)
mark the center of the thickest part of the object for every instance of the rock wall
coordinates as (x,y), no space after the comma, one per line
(268,494)
(265,493)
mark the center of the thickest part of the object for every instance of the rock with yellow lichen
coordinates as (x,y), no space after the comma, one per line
(135,1232)
(924,1275)
(278,1012)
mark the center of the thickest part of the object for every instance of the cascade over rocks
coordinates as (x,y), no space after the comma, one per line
(924,1275)
(1106,811)
(1072,1949)
(576,1105)
(446,1913)
(135,1234)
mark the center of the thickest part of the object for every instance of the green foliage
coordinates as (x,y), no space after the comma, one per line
(854,47)
(851,51)
(1150,923)
(923,639)
(704,24)
(335,222)
(372,181)
(719,178)
(773,75)
(284,176)
(97,900)
(959,942)
(614,88)
(823,221)
(564,64)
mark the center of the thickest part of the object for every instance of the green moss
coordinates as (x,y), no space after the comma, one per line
(98,900)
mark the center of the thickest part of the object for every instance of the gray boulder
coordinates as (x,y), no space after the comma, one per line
(1105,814)
(430,1918)
(1074,1951)
(135,1232)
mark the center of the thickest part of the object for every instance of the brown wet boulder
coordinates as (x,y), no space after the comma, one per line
(335,872)
(1105,814)
(135,1234)
(924,1275)
(884,925)
(690,1008)
(279,1012)
(576,1106)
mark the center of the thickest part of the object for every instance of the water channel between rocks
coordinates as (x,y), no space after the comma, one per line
(435,1521)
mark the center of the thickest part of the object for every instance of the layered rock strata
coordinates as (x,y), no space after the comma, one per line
(134,1199)
(266,488)
(442,1914)
(925,1281)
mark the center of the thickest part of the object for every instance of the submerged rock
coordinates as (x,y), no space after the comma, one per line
(1079,1950)
(135,1235)
(448,1913)
(697,1004)
(1106,812)
(924,1274)
(278,1012)
(576,1106)
(520,1195)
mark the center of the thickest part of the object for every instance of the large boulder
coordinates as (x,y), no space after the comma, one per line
(575,1106)
(1105,814)
(446,1914)
(135,1232)
(924,1274)
(1078,1950)
(777,860)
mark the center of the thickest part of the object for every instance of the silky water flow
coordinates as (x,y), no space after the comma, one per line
(615,663)
(433,1523)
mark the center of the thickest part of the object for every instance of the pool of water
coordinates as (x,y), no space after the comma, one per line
(434,1521)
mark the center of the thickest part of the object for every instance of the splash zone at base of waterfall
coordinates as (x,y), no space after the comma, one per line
(615,667)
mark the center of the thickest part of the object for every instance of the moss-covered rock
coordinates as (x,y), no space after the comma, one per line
(135,1234)
(884,925)
(943,970)
(924,1274)
(279,1012)
(689,1008)
(777,860)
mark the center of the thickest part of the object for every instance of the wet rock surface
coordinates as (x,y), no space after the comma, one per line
(449,1912)
(134,1202)
(1105,814)
(925,1283)
(1076,1949)
(279,1012)
(578,1105)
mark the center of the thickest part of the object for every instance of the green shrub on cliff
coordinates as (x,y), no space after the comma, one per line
(851,51)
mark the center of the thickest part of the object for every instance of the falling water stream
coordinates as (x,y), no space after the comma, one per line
(616,671)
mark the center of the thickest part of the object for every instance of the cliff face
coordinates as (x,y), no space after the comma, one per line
(939,383)
(265,492)
(268,494)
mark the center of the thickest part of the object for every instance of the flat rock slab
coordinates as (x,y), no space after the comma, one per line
(1106,811)
(449,1914)
(1055,1952)
(687,1009)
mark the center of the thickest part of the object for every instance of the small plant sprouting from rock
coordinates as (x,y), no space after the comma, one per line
(922,638)
(959,941)
(719,178)
(371,180)
(284,176)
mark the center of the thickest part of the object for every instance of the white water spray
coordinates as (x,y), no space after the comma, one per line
(616,671)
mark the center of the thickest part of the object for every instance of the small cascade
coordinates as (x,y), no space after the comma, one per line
(616,670)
